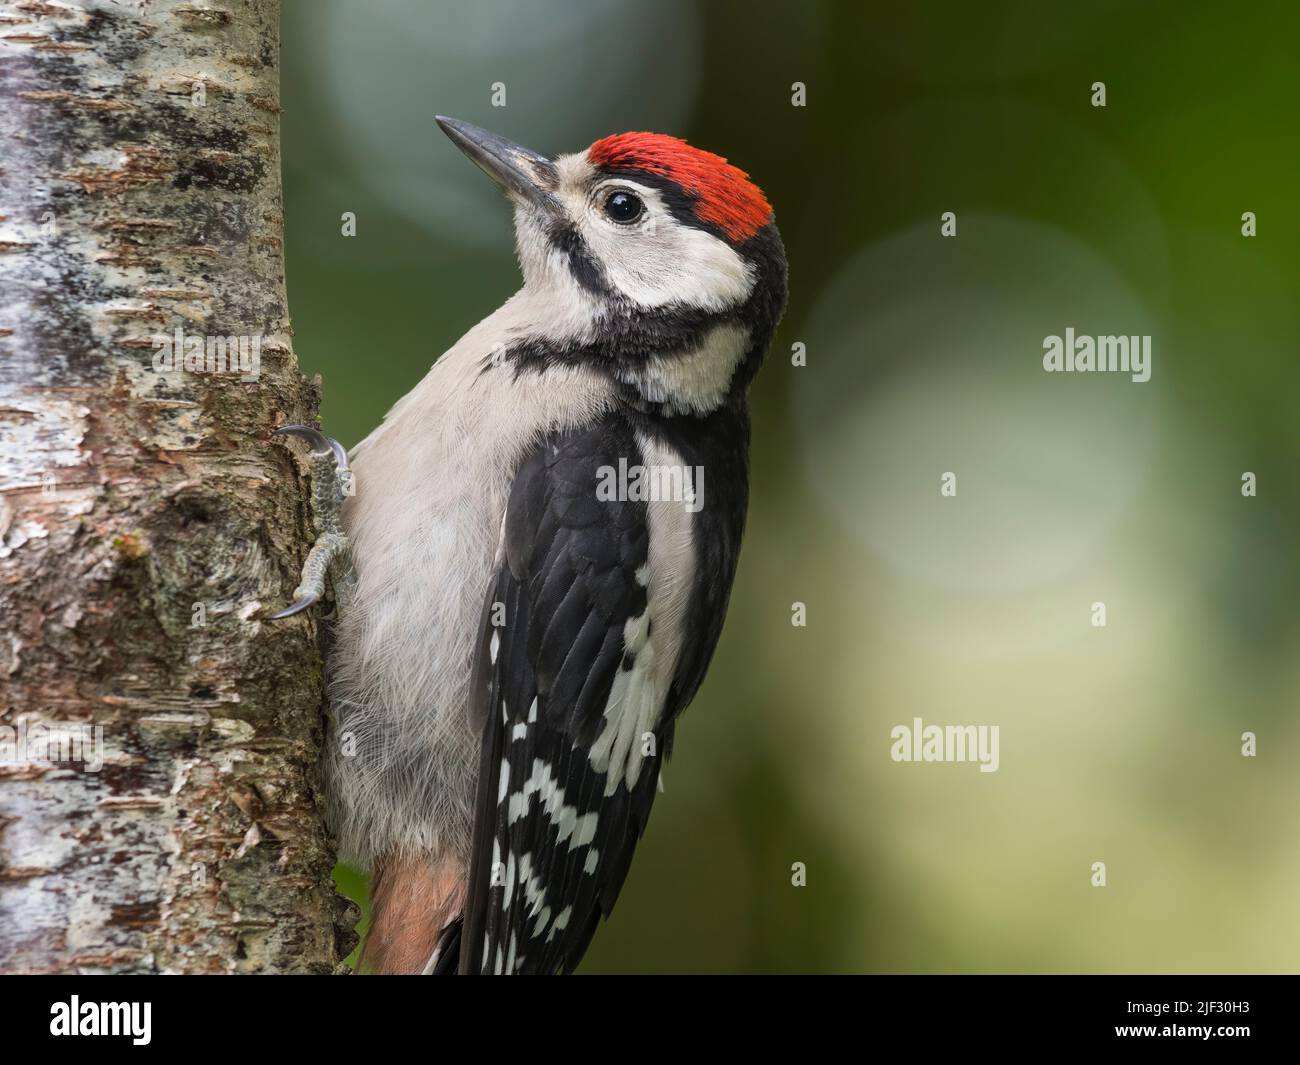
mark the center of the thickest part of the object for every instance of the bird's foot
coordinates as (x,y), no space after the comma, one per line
(330,556)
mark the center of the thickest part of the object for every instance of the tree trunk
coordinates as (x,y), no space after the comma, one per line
(146,519)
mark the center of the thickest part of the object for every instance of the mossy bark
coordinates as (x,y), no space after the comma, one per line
(146,518)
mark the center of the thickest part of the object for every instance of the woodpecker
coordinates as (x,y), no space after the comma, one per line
(518,627)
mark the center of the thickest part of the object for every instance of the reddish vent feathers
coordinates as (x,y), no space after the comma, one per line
(724,194)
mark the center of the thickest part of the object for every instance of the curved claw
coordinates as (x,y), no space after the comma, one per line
(308,600)
(320,443)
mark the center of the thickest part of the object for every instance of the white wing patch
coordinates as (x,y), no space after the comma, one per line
(633,708)
(654,639)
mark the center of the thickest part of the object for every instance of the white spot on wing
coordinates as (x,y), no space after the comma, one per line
(561,922)
(577,831)
(504,784)
(510,882)
(636,696)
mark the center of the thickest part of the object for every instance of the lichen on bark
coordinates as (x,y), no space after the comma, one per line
(146,520)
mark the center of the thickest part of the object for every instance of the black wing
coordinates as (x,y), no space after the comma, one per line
(554,836)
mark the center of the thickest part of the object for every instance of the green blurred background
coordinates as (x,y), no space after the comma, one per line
(1119,744)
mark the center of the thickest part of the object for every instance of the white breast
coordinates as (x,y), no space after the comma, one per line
(431,488)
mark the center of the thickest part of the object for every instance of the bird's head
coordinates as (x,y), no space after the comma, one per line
(661,263)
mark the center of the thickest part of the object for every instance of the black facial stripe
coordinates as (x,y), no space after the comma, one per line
(564,237)
(630,336)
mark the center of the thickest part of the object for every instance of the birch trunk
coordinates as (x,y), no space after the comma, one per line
(145,517)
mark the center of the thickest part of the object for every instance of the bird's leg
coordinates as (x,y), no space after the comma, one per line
(331,555)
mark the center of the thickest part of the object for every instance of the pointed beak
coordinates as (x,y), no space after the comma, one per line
(521,172)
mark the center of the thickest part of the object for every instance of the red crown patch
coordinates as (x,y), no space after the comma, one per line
(724,196)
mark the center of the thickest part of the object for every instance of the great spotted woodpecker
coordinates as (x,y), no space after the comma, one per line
(519,628)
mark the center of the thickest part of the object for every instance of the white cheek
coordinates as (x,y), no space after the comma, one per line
(669,263)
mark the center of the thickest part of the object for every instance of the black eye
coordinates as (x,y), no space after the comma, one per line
(623,207)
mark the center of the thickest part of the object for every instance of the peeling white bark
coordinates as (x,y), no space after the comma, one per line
(145,518)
